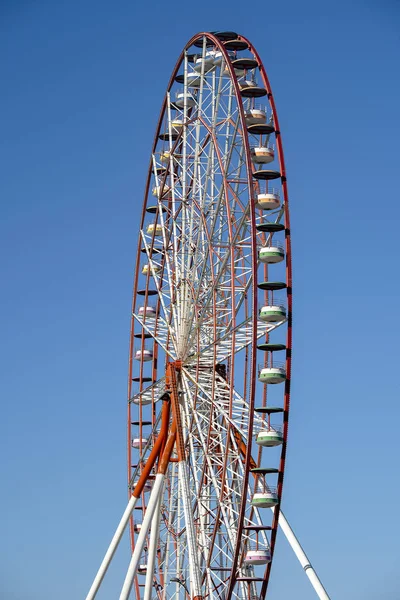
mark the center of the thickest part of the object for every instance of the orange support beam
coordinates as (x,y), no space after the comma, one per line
(157,448)
(172,383)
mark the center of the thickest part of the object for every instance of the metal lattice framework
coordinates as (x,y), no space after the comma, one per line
(204,458)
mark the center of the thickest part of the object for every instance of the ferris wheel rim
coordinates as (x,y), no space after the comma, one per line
(218,44)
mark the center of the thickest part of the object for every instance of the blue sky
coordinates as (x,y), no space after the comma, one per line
(82,84)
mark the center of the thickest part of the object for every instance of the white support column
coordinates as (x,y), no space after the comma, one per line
(167,550)
(151,558)
(301,555)
(179,527)
(111,549)
(133,565)
(194,571)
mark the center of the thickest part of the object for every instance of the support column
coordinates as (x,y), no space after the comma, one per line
(111,549)
(194,570)
(134,563)
(301,555)
(152,555)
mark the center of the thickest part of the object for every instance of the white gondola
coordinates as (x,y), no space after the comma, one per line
(142,569)
(144,355)
(255,116)
(137,527)
(176,125)
(266,499)
(268,201)
(238,72)
(271,254)
(262,155)
(218,58)
(147,311)
(164,159)
(245,84)
(180,99)
(273,374)
(193,80)
(161,191)
(273,313)
(257,557)
(136,442)
(154,228)
(208,62)
(142,400)
(146,269)
(270,437)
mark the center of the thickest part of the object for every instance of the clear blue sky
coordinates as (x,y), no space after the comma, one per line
(82,83)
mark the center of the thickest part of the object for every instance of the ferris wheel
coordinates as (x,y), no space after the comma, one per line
(211,338)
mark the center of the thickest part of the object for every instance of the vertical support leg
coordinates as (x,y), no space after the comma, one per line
(194,570)
(134,563)
(151,559)
(167,551)
(195,580)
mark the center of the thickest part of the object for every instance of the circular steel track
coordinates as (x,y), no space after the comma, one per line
(211,334)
